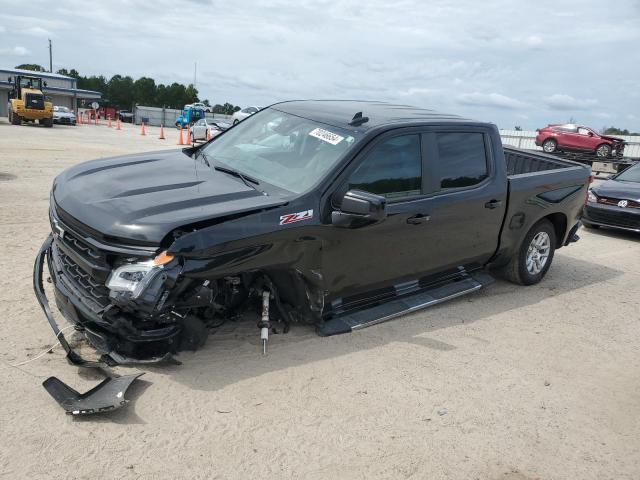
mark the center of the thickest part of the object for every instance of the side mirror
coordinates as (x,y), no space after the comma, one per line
(359,208)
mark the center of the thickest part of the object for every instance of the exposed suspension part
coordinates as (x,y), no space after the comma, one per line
(264,324)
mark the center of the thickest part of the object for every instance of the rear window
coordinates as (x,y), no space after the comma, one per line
(462,159)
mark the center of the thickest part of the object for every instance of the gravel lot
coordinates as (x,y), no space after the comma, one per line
(510,383)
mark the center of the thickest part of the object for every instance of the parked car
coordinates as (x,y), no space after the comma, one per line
(200,105)
(616,202)
(341,214)
(63,115)
(578,138)
(244,113)
(126,116)
(198,130)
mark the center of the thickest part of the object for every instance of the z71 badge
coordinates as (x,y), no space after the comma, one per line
(296,217)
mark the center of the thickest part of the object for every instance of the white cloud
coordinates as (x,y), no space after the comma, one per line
(533,40)
(2,29)
(496,100)
(16,51)
(415,91)
(561,101)
(37,32)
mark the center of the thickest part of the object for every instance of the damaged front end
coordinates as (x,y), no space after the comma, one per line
(135,305)
(124,300)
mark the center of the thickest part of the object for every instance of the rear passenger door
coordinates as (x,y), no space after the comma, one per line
(467,196)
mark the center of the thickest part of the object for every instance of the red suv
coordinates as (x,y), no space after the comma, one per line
(578,138)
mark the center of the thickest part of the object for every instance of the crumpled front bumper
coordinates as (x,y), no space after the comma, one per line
(105,332)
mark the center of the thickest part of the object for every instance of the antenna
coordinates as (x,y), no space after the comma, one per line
(358,120)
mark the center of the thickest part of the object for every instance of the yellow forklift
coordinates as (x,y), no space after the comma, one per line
(27,102)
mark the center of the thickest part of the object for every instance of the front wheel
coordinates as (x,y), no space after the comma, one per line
(531,262)
(603,151)
(47,122)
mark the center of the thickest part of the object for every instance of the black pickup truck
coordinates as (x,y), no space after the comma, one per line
(338,214)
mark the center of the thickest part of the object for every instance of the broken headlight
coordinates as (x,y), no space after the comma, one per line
(134,277)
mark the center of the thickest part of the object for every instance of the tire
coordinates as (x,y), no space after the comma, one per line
(549,145)
(47,122)
(519,270)
(15,118)
(603,150)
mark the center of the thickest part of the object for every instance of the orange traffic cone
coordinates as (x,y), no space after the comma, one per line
(208,134)
(118,124)
(142,132)
(161,137)
(180,142)
(109,118)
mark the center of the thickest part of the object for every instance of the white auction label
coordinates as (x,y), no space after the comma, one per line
(326,136)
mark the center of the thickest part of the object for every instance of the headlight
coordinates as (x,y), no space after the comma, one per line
(591,197)
(134,277)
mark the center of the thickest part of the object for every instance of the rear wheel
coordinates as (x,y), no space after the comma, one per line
(47,122)
(549,145)
(603,151)
(531,262)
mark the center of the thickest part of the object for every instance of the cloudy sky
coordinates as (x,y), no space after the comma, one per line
(511,62)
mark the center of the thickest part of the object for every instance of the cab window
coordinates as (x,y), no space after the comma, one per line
(392,168)
(462,159)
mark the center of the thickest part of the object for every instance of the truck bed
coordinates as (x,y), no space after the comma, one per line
(521,162)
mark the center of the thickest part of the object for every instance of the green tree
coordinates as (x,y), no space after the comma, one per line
(73,73)
(31,66)
(145,91)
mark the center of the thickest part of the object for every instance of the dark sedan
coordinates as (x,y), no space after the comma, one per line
(615,203)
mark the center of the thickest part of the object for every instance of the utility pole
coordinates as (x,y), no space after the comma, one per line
(195,72)
(50,58)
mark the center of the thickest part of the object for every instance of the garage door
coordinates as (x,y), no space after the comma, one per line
(4,99)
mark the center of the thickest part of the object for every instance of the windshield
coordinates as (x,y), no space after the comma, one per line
(61,109)
(284,150)
(631,174)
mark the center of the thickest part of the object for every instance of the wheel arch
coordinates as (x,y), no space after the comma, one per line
(559,222)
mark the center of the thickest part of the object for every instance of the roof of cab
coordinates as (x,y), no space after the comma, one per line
(340,113)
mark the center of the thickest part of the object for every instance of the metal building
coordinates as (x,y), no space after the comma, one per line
(60,89)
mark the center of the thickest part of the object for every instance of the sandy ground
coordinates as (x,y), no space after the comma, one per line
(510,383)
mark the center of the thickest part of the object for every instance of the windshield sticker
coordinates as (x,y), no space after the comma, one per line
(296,217)
(326,136)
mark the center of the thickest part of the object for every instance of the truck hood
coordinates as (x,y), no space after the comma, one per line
(144,197)
(616,189)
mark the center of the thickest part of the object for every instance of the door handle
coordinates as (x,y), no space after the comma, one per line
(418,219)
(493,204)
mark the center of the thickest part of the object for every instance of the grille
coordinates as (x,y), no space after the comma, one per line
(614,201)
(90,291)
(614,217)
(35,101)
